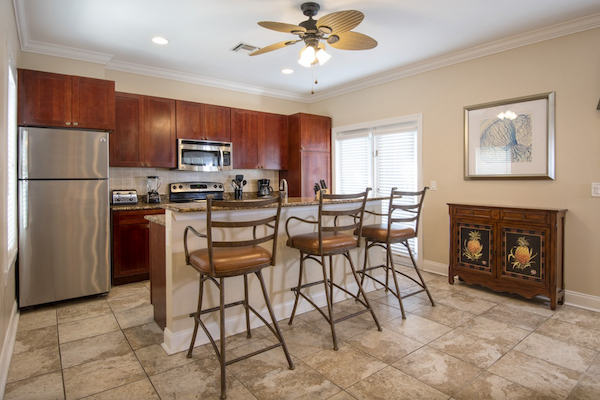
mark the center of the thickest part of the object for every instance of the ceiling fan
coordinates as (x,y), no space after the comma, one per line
(335,29)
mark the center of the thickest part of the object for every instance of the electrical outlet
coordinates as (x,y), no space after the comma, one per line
(595,189)
(433,185)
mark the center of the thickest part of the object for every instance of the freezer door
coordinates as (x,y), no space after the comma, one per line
(63,240)
(62,154)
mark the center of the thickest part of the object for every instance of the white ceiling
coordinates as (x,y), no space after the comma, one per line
(412,35)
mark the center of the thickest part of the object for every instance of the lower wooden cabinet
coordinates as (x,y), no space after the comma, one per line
(131,246)
(158,276)
(509,249)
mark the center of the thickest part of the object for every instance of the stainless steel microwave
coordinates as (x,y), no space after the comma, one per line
(203,155)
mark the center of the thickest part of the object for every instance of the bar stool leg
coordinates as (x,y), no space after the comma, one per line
(364,269)
(419,273)
(222,334)
(329,297)
(298,288)
(361,290)
(275,323)
(391,262)
(197,316)
(246,307)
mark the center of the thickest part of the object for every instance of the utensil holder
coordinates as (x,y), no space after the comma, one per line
(318,195)
(238,194)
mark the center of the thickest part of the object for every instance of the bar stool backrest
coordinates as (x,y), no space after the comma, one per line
(407,212)
(351,217)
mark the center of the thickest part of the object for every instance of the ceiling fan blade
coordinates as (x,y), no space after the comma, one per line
(274,46)
(352,41)
(281,27)
(340,21)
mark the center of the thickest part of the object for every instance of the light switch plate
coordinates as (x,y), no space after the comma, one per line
(595,189)
(433,185)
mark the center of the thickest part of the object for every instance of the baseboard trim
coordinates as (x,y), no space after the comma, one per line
(435,267)
(8,348)
(180,341)
(582,300)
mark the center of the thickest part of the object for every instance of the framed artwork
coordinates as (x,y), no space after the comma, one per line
(510,139)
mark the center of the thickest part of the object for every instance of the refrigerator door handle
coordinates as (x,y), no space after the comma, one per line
(24,164)
(25,204)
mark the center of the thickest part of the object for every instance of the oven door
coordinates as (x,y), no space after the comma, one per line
(199,156)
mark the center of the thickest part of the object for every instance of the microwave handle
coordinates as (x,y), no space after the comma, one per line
(220,167)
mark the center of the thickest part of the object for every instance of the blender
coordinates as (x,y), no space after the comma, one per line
(153,183)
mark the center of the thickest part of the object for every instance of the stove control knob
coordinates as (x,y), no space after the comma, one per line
(174,187)
(220,186)
(180,186)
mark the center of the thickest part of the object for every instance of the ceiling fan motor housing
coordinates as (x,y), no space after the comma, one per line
(310,9)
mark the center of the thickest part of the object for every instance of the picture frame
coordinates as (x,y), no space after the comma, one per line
(511,139)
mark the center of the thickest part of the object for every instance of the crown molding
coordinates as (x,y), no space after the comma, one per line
(540,35)
(552,32)
(202,80)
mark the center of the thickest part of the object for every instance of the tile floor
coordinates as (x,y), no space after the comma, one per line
(475,344)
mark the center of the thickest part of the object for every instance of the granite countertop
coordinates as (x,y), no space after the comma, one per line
(156,218)
(290,202)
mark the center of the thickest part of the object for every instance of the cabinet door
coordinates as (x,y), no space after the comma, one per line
(44,99)
(159,140)
(189,117)
(315,133)
(93,103)
(473,246)
(524,259)
(315,166)
(130,251)
(216,123)
(272,141)
(125,141)
(244,136)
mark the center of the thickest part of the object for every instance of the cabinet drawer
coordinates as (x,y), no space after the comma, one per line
(474,212)
(133,217)
(540,217)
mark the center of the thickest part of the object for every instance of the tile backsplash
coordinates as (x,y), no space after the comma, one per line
(135,178)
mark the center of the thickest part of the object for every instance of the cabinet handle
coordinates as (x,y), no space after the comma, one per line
(75,123)
(67,123)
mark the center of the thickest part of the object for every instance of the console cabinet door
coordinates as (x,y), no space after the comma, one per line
(272,141)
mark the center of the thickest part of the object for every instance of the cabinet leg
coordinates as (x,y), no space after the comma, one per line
(451,278)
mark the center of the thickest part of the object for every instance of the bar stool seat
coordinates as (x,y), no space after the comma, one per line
(231,261)
(379,232)
(331,242)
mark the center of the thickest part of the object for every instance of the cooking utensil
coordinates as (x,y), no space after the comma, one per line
(323,185)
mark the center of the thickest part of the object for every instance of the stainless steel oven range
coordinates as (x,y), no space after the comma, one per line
(186,192)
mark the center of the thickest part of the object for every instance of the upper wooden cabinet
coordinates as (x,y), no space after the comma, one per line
(260,140)
(55,100)
(311,132)
(145,132)
(203,121)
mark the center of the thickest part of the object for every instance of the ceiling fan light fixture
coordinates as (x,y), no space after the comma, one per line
(307,56)
(322,56)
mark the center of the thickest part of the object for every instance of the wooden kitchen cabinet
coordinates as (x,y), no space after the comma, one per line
(203,121)
(509,249)
(244,138)
(131,246)
(309,153)
(64,101)
(145,133)
(158,275)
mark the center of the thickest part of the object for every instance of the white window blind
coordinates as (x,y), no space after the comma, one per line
(11,170)
(355,163)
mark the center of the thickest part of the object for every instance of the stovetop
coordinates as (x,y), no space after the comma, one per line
(186,192)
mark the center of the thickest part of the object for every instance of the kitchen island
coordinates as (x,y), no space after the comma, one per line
(181,284)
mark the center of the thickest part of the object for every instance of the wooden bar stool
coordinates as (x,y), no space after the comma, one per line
(402,225)
(228,258)
(327,241)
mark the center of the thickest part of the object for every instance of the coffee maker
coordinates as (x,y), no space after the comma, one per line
(152,184)
(264,188)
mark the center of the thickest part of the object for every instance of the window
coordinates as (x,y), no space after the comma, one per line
(11,167)
(381,155)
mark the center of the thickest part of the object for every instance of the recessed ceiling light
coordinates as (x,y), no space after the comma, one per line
(287,71)
(160,40)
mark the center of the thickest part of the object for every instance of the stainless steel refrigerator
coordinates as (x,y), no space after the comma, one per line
(64,226)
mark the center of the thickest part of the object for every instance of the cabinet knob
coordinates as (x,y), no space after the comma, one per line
(472,212)
(67,123)
(523,216)
(75,123)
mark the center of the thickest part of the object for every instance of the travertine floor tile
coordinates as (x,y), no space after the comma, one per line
(124,303)
(570,333)
(99,376)
(85,328)
(515,317)
(387,345)
(144,335)
(537,305)
(82,309)
(439,370)
(493,387)
(38,318)
(497,332)
(35,339)
(588,387)
(420,329)
(139,390)
(444,315)
(342,396)
(131,289)
(557,352)
(464,301)
(539,375)
(155,360)
(345,366)
(135,316)
(578,316)
(301,383)
(472,349)
(306,339)
(95,348)
(42,387)
(409,303)
(257,365)
(390,383)
(33,363)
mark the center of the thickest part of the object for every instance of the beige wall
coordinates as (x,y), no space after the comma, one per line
(569,66)
(8,34)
